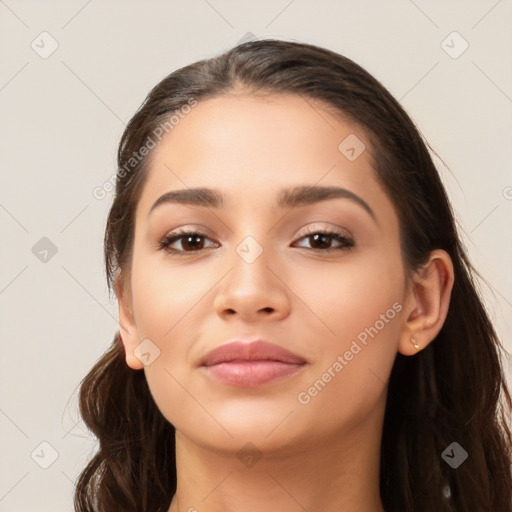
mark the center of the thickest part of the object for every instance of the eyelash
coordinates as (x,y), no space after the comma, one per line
(346,243)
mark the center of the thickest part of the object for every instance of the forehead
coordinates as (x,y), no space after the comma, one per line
(250,147)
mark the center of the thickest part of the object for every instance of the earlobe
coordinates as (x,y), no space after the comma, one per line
(427,303)
(128,329)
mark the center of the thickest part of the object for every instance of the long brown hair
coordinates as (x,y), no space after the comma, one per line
(452,391)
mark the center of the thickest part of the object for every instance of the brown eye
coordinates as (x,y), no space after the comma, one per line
(190,241)
(322,240)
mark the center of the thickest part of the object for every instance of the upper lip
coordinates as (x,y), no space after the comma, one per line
(259,350)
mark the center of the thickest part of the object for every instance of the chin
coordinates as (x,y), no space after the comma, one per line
(232,426)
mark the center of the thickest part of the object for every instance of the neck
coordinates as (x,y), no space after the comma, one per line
(330,475)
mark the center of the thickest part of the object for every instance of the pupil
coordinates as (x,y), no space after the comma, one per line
(195,238)
(321,236)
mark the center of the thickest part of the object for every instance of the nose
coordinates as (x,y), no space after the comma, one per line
(253,291)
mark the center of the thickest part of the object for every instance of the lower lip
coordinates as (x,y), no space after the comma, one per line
(250,374)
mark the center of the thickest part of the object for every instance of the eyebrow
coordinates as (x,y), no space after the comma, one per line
(286,198)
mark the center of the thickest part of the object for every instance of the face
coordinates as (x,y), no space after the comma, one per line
(323,279)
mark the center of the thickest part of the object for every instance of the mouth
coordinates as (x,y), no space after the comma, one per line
(251,364)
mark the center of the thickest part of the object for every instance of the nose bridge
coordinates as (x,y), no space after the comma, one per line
(253,241)
(251,285)
(250,260)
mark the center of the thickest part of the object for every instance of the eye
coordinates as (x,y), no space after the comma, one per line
(323,238)
(191,241)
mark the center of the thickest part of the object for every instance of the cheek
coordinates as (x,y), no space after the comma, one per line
(165,296)
(358,322)
(171,305)
(342,299)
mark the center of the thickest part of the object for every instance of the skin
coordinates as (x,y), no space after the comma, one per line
(323,455)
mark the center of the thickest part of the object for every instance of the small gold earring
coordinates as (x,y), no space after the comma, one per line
(413,341)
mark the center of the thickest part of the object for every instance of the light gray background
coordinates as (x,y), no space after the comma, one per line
(62,117)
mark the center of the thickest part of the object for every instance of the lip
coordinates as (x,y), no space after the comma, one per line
(251,364)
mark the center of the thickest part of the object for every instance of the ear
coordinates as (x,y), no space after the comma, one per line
(128,328)
(427,302)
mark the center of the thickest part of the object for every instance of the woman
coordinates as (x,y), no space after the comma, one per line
(299,322)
